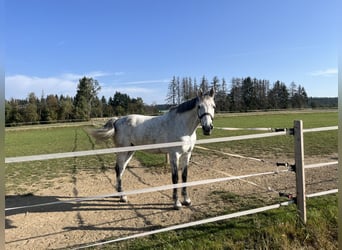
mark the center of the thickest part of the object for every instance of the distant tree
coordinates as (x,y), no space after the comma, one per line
(30,114)
(192,89)
(215,83)
(171,97)
(14,115)
(262,93)
(235,95)
(185,89)
(300,98)
(278,96)
(8,110)
(120,103)
(87,91)
(136,106)
(96,108)
(106,107)
(52,107)
(66,108)
(221,96)
(204,86)
(248,94)
(224,86)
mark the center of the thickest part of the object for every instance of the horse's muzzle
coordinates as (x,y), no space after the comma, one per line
(207,129)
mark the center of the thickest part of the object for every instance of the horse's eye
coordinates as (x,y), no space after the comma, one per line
(199,107)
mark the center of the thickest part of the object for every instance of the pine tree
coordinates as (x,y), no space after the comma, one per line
(204,86)
(278,96)
(171,97)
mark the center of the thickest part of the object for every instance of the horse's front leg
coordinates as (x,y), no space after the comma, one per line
(174,160)
(184,161)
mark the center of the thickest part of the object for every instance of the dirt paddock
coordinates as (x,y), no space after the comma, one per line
(71,225)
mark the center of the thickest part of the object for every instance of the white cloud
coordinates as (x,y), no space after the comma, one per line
(148,81)
(93,74)
(148,93)
(19,86)
(326,72)
(109,91)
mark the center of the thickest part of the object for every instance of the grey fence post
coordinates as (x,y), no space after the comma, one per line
(300,173)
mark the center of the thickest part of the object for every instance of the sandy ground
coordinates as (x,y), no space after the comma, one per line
(71,225)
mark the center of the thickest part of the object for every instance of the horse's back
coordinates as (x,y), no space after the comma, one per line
(140,130)
(134,130)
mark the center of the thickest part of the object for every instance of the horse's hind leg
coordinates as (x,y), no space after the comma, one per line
(121,164)
(184,161)
(174,160)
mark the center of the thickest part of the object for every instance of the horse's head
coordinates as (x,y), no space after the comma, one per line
(206,110)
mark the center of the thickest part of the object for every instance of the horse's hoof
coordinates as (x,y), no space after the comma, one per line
(177,205)
(123,198)
(186,202)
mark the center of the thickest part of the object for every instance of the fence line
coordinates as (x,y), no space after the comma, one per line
(318,165)
(136,148)
(149,190)
(151,146)
(252,129)
(332,191)
(308,130)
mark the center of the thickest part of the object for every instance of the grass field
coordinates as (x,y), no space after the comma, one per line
(278,229)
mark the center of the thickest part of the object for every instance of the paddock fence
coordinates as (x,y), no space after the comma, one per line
(299,167)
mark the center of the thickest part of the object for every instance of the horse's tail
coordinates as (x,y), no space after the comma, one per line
(106,132)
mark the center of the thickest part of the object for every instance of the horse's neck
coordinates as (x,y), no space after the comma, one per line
(190,121)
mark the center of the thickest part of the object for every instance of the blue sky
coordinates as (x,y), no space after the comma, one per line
(136,47)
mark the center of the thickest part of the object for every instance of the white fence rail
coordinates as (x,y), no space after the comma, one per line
(135,148)
(299,168)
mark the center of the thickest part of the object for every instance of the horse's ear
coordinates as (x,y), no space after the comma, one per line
(200,93)
(212,92)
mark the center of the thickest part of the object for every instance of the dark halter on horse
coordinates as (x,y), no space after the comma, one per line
(204,114)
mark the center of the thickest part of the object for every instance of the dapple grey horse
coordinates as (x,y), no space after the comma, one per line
(179,124)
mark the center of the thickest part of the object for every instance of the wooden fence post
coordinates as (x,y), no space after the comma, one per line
(167,158)
(300,173)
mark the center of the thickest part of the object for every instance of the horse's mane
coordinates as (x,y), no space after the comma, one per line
(185,106)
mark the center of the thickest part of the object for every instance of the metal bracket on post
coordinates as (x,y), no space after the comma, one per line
(300,174)
(291,167)
(290,131)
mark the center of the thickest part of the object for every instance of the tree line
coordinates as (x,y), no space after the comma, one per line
(244,93)
(84,105)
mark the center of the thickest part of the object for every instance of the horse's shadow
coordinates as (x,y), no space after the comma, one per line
(30,203)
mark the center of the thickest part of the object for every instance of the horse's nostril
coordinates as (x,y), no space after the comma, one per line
(206,130)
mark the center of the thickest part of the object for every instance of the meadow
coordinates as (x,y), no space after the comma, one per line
(278,229)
